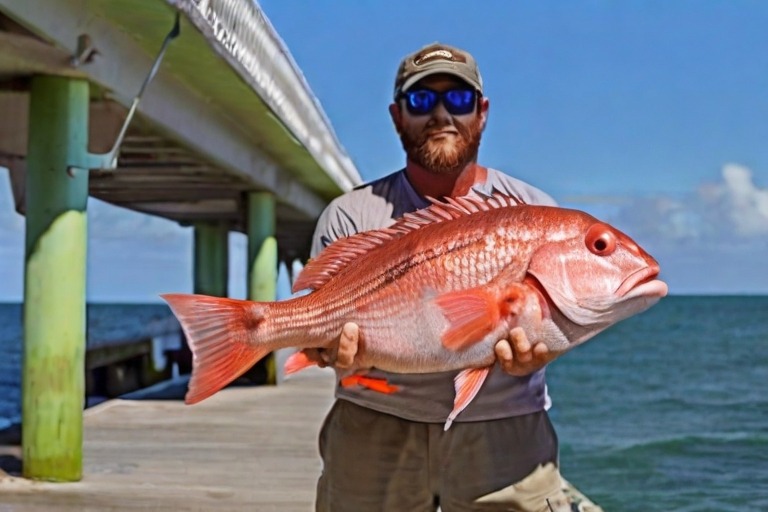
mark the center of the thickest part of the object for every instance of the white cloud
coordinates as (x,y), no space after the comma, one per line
(731,211)
(712,240)
(747,205)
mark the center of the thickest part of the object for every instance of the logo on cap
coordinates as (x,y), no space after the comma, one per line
(437,54)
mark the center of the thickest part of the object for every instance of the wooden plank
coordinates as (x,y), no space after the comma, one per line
(246,448)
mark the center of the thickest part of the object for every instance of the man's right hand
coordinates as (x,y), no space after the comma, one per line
(341,353)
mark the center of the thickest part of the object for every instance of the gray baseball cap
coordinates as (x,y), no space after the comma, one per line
(437,58)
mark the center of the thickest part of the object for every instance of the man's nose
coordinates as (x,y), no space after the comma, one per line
(440,115)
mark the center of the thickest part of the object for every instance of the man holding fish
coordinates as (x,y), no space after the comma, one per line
(440,293)
(389,451)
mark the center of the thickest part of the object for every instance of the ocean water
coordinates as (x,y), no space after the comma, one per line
(106,323)
(667,411)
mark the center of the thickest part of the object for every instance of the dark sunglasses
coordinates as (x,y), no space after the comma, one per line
(457,102)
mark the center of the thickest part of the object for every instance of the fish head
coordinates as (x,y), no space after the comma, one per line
(593,276)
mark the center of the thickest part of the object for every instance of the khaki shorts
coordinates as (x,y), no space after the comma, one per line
(377,462)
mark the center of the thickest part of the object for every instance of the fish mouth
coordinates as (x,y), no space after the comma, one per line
(643,283)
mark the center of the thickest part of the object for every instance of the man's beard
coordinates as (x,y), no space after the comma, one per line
(441,156)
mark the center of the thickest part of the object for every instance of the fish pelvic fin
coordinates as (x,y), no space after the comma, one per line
(219,332)
(374,384)
(467,384)
(473,314)
(297,362)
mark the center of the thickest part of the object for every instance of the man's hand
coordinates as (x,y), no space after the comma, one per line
(518,357)
(341,353)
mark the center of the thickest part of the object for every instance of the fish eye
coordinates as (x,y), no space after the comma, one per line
(600,240)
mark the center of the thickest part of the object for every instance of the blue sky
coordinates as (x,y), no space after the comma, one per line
(651,115)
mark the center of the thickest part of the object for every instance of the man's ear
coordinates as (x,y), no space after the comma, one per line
(484,105)
(397,116)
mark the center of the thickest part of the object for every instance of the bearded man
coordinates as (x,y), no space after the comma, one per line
(388,452)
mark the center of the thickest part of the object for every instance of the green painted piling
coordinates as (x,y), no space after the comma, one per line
(53,383)
(211,258)
(262,260)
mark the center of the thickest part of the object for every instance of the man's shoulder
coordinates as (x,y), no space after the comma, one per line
(381,187)
(380,198)
(530,194)
(365,207)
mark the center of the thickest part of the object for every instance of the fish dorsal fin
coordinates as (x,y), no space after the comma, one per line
(452,208)
(338,255)
(344,251)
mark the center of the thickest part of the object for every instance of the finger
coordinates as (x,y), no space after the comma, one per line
(521,345)
(348,344)
(540,350)
(505,355)
(504,352)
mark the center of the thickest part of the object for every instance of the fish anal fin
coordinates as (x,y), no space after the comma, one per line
(467,384)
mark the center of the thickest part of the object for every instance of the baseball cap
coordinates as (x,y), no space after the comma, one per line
(437,58)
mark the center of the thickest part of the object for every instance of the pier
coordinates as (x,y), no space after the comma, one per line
(190,110)
(245,448)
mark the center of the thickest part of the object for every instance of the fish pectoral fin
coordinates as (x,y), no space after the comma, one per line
(471,315)
(467,383)
(372,383)
(297,362)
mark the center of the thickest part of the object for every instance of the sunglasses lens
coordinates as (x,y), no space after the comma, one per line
(459,101)
(421,102)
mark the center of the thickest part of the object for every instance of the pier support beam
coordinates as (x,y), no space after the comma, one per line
(262,267)
(53,382)
(211,273)
(211,258)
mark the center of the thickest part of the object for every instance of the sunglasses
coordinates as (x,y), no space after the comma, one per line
(457,102)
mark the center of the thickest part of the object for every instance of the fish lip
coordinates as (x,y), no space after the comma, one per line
(642,282)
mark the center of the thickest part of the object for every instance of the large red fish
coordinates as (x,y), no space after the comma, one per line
(435,292)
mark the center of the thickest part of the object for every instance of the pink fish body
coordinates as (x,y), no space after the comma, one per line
(435,292)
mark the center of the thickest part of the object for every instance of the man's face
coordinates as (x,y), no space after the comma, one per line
(438,141)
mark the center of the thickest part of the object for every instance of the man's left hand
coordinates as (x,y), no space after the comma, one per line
(519,357)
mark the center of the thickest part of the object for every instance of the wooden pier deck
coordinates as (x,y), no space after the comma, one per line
(245,448)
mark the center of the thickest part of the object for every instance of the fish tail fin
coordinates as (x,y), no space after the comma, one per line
(219,332)
(297,362)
